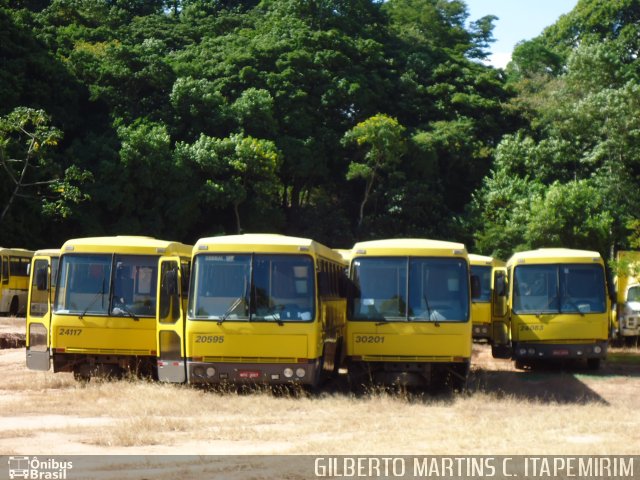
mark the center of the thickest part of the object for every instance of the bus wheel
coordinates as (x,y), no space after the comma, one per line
(593,363)
(318,377)
(81,375)
(458,376)
(13,309)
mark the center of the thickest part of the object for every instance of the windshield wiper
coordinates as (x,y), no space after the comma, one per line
(275,316)
(93,301)
(236,303)
(571,302)
(429,314)
(231,308)
(122,307)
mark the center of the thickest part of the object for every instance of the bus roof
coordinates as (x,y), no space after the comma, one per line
(345,253)
(409,246)
(475,259)
(47,252)
(555,255)
(16,251)
(265,243)
(125,244)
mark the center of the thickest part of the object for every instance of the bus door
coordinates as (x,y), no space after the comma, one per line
(170,322)
(41,292)
(501,338)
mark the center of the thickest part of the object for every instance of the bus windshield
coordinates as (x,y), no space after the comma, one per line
(254,287)
(105,284)
(484,274)
(633,294)
(559,288)
(410,289)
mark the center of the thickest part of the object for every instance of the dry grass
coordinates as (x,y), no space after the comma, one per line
(507,412)
(144,414)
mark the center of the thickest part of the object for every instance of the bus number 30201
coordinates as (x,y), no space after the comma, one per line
(369,339)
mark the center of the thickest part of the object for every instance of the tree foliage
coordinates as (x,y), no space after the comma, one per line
(202,117)
(578,85)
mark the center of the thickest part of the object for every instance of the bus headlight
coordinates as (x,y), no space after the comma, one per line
(522,351)
(288,372)
(198,371)
(531,351)
(211,372)
(300,372)
(597,349)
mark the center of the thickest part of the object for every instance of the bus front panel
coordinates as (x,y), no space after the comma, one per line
(410,308)
(251,317)
(559,304)
(104,309)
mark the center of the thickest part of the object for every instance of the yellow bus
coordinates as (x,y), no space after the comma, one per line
(14,283)
(557,307)
(263,308)
(408,319)
(106,303)
(42,291)
(481,307)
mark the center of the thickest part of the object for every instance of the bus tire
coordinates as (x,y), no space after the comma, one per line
(13,309)
(81,375)
(593,363)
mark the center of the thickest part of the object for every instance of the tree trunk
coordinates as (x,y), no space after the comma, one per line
(236,211)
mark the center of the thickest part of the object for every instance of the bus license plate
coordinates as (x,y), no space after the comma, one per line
(560,353)
(249,374)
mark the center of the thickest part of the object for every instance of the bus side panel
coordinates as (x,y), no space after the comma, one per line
(332,338)
(15,284)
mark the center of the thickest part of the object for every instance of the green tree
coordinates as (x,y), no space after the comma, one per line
(235,169)
(571,215)
(26,138)
(382,139)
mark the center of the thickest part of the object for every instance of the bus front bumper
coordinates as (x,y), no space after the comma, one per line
(211,373)
(547,351)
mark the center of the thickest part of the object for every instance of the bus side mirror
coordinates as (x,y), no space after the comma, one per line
(324,284)
(170,282)
(42,282)
(500,286)
(476,287)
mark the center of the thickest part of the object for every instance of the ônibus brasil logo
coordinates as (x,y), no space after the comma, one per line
(33,468)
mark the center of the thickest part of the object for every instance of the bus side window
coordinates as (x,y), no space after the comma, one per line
(186,273)
(42,278)
(324,285)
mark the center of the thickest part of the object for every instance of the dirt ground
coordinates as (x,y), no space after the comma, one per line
(560,410)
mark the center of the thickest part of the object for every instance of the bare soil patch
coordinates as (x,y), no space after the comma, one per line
(12,332)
